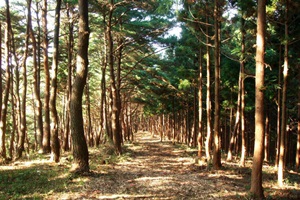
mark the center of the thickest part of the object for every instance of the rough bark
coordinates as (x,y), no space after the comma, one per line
(256,175)
(46,131)
(115,121)
(80,149)
(55,146)
(7,87)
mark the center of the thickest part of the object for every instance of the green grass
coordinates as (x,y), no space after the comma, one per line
(33,181)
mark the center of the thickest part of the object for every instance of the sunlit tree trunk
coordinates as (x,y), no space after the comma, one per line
(66,143)
(55,145)
(243,153)
(278,108)
(237,121)
(116,130)
(80,149)
(22,134)
(283,135)
(37,132)
(217,143)
(46,131)
(208,100)
(256,175)
(7,87)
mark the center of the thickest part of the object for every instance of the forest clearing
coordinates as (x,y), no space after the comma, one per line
(149,169)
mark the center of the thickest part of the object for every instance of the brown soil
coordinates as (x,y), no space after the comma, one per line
(161,170)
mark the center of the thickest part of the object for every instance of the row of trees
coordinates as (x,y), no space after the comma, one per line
(114,70)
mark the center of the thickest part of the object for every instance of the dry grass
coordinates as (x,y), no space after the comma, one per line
(149,169)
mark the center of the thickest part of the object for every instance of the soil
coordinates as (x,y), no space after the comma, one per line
(162,170)
(148,169)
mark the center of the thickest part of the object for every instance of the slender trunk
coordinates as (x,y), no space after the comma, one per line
(237,121)
(39,132)
(55,146)
(256,175)
(243,152)
(20,147)
(278,109)
(283,105)
(208,100)
(200,106)
(217,143)
(267,139)
(66,143)
(7,87)
(116,132)
(46,133)
(80,149)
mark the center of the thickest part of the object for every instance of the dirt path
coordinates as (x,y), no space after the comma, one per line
(158,170)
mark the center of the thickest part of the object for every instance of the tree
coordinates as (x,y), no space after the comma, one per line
(256,175)
(217,144)
(80,150)
(7,87)
(55,146)
(46,131)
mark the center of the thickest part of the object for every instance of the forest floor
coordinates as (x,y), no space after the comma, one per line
(148,169)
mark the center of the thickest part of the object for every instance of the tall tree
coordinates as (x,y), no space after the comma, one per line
(283,135)
(217,144)
(46,131)
(116,129)
(7,87)
(80,149)
(256,175)
(23,124)
(55,146)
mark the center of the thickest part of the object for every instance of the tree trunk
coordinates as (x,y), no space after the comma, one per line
(66,143)
(283,135)
(217,144)
(278,108)
(237,121)
(22,134)
(39,130)
(55,146)
(46,133)
(80,150)
(7,87)
(200,106)
(208,100)
(115,121)
(243,153)
(256,175)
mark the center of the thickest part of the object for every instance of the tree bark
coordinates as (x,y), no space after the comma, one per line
(7,87)
(115,121)
(256,175)
(243,153)
(46,133)
(66,143)
(217,144)
(55,146)
(80,149)
(208,100)
(200,106)
(283,135)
